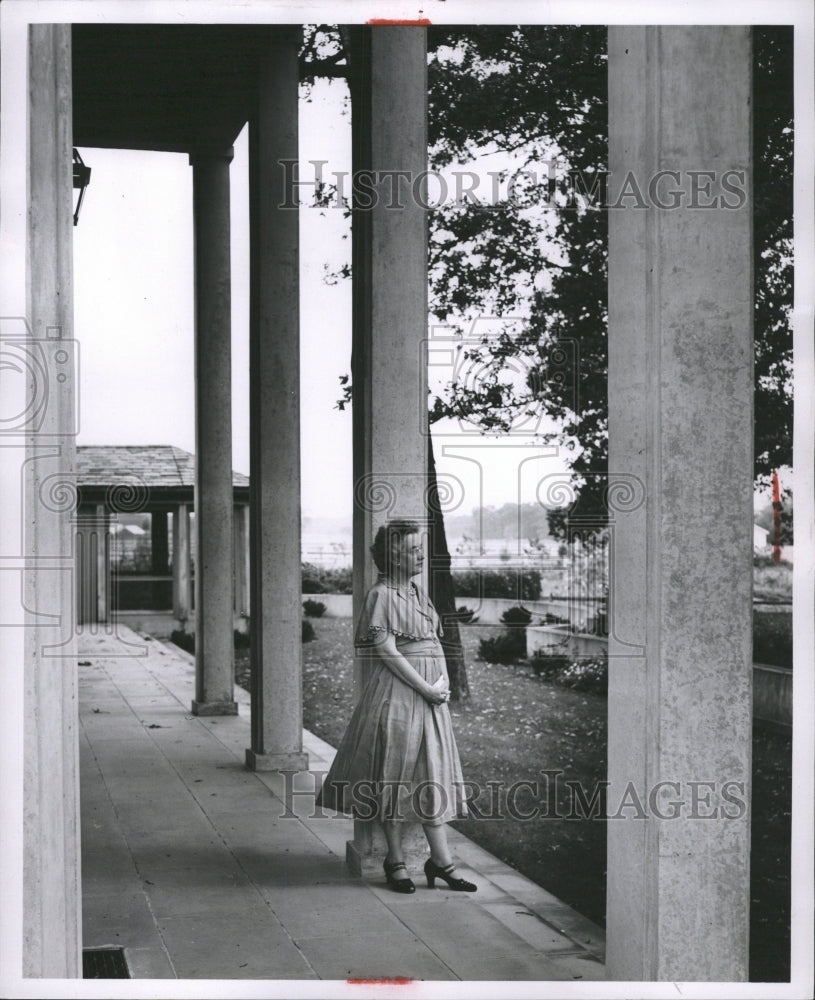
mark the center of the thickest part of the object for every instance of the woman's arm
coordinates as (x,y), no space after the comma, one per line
(385,646)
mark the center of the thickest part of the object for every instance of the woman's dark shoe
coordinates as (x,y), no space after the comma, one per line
(432,871)
(398,884)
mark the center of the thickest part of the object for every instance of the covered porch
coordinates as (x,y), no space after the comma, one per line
(200,869)
(114,481)
(680,697)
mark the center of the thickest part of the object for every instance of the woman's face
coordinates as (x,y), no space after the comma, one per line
(411,554)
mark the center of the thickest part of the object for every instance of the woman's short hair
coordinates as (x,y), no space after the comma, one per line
(385,537)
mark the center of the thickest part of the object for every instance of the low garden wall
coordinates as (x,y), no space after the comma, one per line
(488,610)
(336,605)
(560,640)
(772,686)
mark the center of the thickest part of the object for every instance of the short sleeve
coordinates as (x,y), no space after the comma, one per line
(377,616)
(407,615)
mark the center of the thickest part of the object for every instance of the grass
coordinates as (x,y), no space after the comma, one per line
(516,726)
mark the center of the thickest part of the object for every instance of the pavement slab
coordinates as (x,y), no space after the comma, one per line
(200,868)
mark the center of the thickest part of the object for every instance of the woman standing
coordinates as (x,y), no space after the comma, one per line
(398,759)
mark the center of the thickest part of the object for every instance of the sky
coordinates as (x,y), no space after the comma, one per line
(134,288)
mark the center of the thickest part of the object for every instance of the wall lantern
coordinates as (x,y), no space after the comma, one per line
(82,178)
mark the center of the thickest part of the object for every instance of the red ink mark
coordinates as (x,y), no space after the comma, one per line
(384,981)
(776,519)
(419,22)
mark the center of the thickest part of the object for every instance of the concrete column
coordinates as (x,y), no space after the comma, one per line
(159,542)
(681,419)
(102,563)
(182,569)
(241,550)
(214,649)
(92,562)
(85,566)
(274,416)
(51,873)
(389,105)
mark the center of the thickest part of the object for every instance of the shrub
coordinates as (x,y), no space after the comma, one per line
(311,579)
(585,675)
(314,609)
(508,647)
(548,665)
(319,580)
(580,675)
(517,584)
(550,619)
(516,616)
(466,616)
(772,638)
(764,560)
(184,640)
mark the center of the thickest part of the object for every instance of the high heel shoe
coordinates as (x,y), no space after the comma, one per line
(404,885)
(433,871)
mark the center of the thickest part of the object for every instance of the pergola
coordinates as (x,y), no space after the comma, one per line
(680,391)
(158,480)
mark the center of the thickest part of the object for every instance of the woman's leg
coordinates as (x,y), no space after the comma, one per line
(437,839)
(393,834)
(441,864)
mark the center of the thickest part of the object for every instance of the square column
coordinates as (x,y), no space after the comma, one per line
(102,563)
(52,925)
(389,112)
(85,566)
(182,566)
(214,644)
(274,417)
(92,564)
(159,542)
(681,421)
(241,555)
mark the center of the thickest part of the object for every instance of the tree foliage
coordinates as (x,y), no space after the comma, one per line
(537,97)
(541,92)
(538,94)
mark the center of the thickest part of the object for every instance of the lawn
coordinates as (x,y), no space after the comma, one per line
(518,725)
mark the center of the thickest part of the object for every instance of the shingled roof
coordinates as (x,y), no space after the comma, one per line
(166,471)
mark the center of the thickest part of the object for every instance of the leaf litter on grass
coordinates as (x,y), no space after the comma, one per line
(515,726)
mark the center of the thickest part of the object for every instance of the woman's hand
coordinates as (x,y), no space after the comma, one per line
(434,694)
(438,693)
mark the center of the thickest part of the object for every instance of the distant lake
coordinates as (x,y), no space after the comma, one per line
(334,548)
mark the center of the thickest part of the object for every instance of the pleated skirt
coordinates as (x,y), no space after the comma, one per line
(398,758)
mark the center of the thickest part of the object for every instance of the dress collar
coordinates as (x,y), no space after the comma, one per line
(400,590)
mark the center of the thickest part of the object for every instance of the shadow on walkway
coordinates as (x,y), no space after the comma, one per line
(190,863)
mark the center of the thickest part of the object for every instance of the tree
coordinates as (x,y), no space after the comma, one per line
(539,94)
(533,90)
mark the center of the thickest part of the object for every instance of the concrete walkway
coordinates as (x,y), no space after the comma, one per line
(192,865)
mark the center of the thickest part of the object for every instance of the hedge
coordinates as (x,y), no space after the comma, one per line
(319,580)
(516,584)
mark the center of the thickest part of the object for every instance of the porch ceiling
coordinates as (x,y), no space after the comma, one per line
(176,88)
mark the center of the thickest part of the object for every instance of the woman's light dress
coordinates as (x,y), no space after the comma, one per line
(398,758)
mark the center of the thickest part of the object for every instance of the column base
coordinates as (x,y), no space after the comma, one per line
(297,761)
(214,708)
(366,852)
